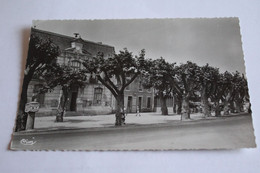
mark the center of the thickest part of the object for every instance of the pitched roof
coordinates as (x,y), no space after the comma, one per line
(64,42)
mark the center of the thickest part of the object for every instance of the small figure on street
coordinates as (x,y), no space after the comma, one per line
(125,111)
(123,116)
(138,111)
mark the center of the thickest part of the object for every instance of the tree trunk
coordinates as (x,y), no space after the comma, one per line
(174,108)
(232,106)
(30,121)
(226,108)
(59,107)
(62,105)
(237,106)
(22,116)
(205,103)
(179,103)
(217,109)
(185,108)
(119,109)
(249,108)
(164,108)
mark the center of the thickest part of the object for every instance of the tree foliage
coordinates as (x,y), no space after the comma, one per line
(159,77)
(208,78)
(187,76)
(65,77)
(41,53)
(116,73)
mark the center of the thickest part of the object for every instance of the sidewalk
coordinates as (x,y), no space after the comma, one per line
(48,124)
(79,122)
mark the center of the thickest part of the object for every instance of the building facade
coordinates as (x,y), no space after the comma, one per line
(93,98)
(135,96)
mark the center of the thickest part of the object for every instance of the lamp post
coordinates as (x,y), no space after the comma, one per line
(30,109)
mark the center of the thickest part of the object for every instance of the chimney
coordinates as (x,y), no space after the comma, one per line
(77,35)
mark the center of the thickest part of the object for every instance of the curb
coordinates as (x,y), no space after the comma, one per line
(127,126)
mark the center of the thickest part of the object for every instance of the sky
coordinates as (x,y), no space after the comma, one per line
(216,41)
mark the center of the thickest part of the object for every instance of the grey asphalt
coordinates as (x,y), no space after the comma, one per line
(222,133)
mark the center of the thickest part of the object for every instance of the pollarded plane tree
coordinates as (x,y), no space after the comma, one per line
(67,78)
(240,92)
(116,73)
(232,90)
(217,94)
(177,95)
(222,89)
(42,51)
(158,76)
(227,89)
(208,79)
(178,89)
(187,76)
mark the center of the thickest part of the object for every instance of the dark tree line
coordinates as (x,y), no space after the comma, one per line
(188,82)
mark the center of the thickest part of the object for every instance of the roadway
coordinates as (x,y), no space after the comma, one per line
(223,133)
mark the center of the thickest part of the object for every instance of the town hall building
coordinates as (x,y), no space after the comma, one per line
(94,98)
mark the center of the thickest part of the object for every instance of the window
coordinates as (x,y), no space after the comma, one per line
(107,103)
(140,86)
(75,65)
(97,96)
(93,79)
(86,103)
(128,86)
(148,102)
(149,90)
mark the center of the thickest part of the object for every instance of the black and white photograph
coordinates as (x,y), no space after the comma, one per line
(134,84)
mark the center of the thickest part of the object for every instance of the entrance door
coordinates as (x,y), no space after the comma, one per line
(129,104)
(73,101)
(140,102)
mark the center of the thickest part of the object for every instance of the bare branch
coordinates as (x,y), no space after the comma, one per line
(110,82)
(130,81)
(108,86)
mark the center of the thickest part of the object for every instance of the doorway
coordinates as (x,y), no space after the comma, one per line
(129,103)
(140,103)
(73,101)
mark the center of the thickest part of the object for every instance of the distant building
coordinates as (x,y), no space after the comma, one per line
(136,95)
(93,98)
(169,104)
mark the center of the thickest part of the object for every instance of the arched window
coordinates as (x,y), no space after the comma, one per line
(97,96)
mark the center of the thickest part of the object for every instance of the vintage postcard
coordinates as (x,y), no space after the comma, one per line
(139,84)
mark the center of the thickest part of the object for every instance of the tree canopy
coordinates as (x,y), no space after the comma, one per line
(65,77)
(159,77)
(116,73)
(41,53)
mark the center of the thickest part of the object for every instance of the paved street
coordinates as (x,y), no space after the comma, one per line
(219,133)
(78,122)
